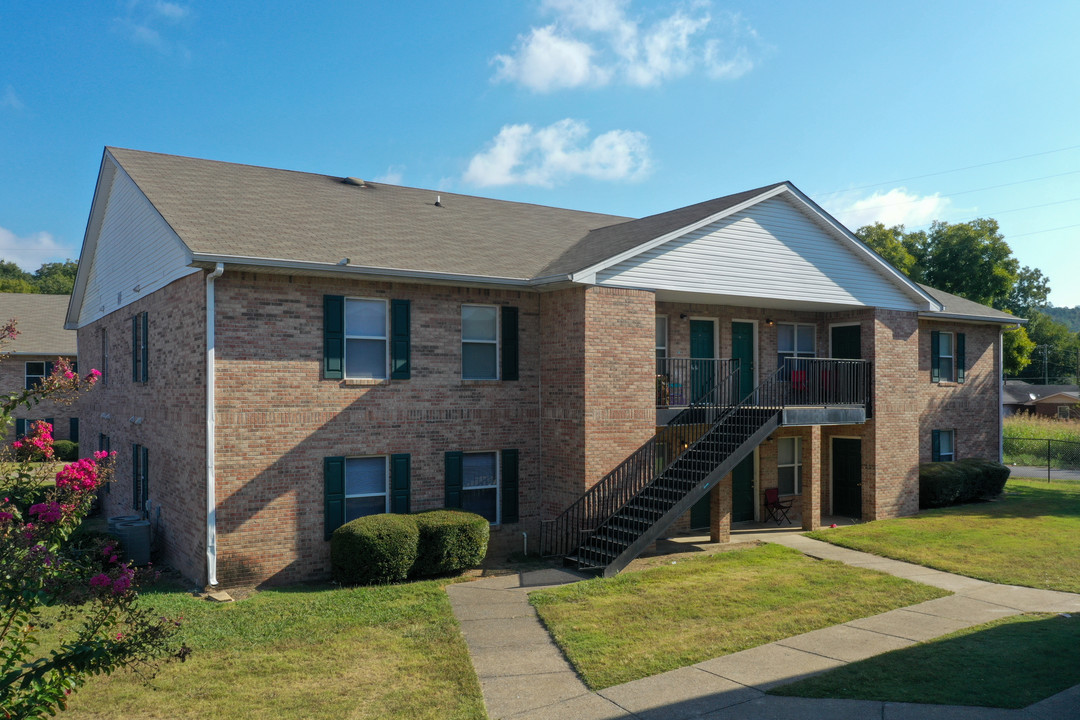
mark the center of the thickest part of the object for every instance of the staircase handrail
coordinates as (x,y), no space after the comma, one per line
(640,466)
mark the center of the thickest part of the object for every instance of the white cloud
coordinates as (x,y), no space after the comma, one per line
(11,100)
(143,23)
(595,42)
(393,176)
(522,155)
(895,207)
(31,251)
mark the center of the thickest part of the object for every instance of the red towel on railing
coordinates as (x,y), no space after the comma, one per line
(798,379)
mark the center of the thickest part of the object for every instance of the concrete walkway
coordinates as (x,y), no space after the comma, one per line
(524,675)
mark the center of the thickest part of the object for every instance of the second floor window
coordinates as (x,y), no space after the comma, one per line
(794,341)
(36,372)
(661,337)
(945,357)
(365,338)
(479,342)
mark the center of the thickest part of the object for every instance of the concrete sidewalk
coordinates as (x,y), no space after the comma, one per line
(524,675)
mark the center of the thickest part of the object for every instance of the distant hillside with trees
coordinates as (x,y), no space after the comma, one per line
(1067,315)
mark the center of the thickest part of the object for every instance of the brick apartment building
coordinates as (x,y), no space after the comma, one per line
(288,351)
(41,341)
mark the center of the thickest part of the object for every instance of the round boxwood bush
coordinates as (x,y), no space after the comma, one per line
(373,550)
(65,450)
(951,483)
(450,540)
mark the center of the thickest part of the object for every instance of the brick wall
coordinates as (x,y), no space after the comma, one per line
(172,405)
(969,408)
(277,418)
(13,379)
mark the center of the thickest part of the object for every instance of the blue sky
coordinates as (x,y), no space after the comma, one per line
(903,113)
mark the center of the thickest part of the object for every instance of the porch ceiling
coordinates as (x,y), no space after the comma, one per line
(770,303)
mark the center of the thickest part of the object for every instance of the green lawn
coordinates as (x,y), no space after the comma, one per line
(1028,537)
(302,652)
(1009,663)
(643,623)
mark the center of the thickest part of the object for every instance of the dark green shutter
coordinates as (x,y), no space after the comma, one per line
(333,337)
(399,339)
(135,349)
(509,486)
(134,476)
(453,463)
(400,471)
(333,494)
(20,427)
(73,429)
(935,356)
(509,343)
(961,357)
(144,469)
(52,426)
(145,345)
(935,451)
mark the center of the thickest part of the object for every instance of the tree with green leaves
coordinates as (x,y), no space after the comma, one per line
(57,278)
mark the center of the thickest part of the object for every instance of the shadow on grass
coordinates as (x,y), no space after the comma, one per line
(1026,500)
(1009,663)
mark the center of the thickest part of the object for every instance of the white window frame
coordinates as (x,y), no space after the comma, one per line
(27,375)
(662,350)
(797,464)
(496,342)
(951,455)
(386,484)
(942,377)
(497,486)
(385,338)
(796,351)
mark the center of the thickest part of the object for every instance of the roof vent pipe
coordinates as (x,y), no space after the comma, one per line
(357,182)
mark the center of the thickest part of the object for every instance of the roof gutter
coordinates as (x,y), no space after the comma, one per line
(211,431)
(348,269)
(1017,321)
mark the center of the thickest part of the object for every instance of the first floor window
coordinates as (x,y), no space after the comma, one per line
(365,338)
(944,442)
(36,372)
(479,342)
(1063,412)
(365,487)
(789,465)
(480,484)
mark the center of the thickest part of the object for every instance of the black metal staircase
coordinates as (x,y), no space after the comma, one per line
(636,503)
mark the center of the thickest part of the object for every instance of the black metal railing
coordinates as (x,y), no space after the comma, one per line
(825,381)
(560,535)
(620,515)
(680,380)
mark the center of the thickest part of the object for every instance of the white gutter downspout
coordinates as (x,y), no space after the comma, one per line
(211,424)
(1001,393)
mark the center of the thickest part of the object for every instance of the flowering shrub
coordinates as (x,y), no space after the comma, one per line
(89,604)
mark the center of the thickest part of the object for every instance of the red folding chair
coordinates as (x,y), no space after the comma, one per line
(776,507)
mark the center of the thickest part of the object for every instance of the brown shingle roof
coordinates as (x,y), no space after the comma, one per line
(40,324)
(220,208)
(954,305)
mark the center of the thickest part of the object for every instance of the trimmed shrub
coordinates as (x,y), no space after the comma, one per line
(65,450)
(374,550)
(450,540)
(952,483)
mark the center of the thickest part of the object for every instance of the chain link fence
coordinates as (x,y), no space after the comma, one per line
(1042,453)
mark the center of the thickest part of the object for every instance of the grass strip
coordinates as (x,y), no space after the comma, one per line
(1028,537)
(1007,663)
(302,652)
(644,623)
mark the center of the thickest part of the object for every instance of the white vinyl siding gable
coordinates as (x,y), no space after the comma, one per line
(771,250)
(135,248)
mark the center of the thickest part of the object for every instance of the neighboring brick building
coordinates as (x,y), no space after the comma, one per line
(41,341)
(290,350)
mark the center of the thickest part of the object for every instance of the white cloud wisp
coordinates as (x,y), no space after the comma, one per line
(597,42)
(30,252)
(895,207)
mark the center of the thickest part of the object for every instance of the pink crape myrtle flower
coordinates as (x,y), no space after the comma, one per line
(47,512)
(80,476)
